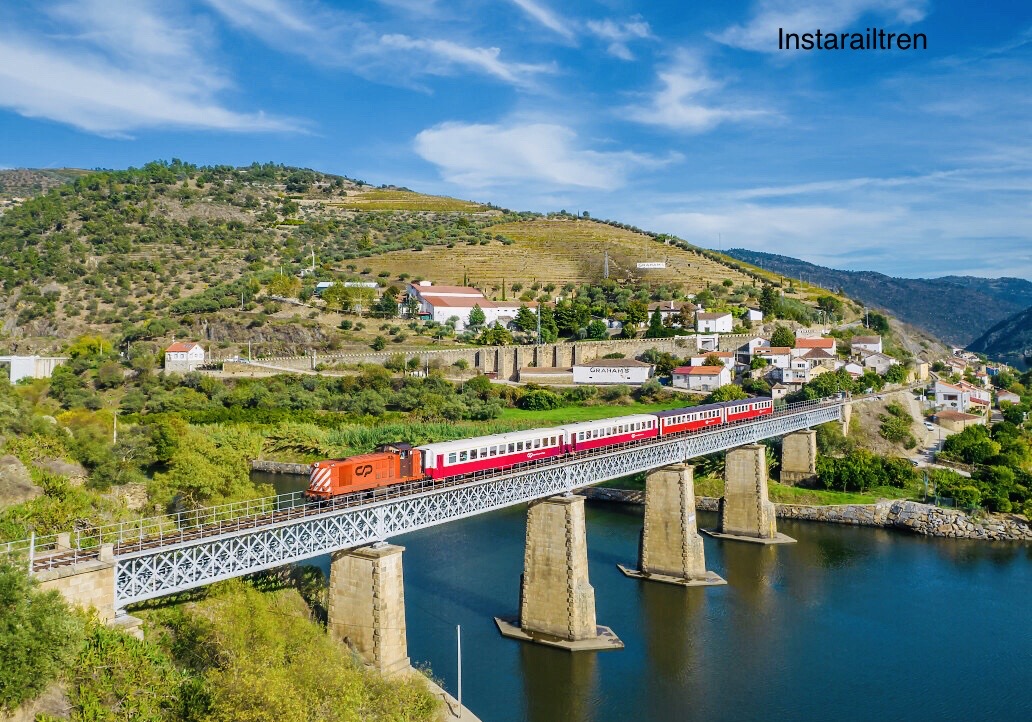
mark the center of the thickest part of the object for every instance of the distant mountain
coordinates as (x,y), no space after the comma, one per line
(957,309)
(1009,340)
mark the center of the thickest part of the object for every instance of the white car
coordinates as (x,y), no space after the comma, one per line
(929,425)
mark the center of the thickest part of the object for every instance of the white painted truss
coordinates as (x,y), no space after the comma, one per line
(176,567)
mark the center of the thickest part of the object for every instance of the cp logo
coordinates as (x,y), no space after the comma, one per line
(364,470)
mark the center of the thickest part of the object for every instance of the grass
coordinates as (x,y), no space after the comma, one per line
(571,414)
(398,200)
(560,252)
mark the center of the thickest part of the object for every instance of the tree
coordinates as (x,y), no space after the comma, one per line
(758,362)
(768,300)
(387,306)
(896,374)
(830,305)
(337,297)
(284,285)
(656,328)
(597,330)
(477,317)
(379,343)
(636,313)
(395,362)
(782,337)
(712,360)
(729,392)
(526,320)
(39,637)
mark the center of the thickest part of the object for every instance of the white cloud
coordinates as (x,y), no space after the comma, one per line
(546,17)
(682,100)
(447,54)
(118,67)
(478,155)
(761,31)
(618,34)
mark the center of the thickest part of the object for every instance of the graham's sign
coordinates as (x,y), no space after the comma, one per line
(609,370)
(652,264)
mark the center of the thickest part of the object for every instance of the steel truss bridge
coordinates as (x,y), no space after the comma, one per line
(174,553)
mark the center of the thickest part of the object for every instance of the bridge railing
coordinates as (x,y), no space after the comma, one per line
(58,549)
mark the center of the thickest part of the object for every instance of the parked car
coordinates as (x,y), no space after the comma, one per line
(929,425)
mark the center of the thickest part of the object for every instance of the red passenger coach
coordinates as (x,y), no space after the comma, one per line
(747,409)
(606,432)
(484,453)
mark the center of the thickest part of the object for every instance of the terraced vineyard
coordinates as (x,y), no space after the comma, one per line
(380,199)
(559,251)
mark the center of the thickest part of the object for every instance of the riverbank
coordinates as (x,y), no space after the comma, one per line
(923,519)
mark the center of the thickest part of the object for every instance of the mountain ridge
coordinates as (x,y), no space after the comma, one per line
(977,303)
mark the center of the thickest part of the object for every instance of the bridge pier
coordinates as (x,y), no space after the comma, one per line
(799,457)
(557,603)
(85,584)
(746,512)
(366,609)
(671,549)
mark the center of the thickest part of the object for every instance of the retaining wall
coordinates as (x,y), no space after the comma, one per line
(280,467)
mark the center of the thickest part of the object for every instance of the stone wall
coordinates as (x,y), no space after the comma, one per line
(280,467)
(913,516)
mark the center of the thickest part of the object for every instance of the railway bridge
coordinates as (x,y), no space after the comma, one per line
(115,566)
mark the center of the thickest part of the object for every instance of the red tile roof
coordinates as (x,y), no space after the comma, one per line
(699,370)
(182,347)
(815,343)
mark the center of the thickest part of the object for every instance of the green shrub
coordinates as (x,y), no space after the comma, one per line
(540,400)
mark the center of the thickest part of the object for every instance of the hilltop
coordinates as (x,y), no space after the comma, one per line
(1009,340)
(232,255)
(956,309)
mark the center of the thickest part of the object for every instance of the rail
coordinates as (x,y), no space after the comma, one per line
(84,543)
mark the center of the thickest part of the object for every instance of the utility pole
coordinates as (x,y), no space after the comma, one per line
(539,324)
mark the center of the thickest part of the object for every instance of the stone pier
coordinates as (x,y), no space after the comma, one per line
(799,457)
(746,512)
(671,549)
(367,605)
(557,603)
(85,584)
(847,415)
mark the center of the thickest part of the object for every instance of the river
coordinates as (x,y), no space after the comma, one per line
(847,624)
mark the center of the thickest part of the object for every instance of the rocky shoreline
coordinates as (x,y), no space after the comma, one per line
(923,519)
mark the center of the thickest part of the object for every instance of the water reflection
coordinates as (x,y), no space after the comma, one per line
(559,685)
(671,618)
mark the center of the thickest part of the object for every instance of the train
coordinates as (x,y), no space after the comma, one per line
(402,463)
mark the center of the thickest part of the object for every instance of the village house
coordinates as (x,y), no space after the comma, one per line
(183,357)
(726,357)
(820,357)
(612,371)
(713,322)
(961,396)
(805,345)
(779,357)
(865,344)
(854,369)
(1007,397)
(701,378)
(779,391)
(957,420)
(673,310)
(746,350)
(879,362)
(754,315)
(440,303)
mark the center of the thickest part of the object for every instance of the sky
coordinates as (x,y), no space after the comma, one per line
(678,117)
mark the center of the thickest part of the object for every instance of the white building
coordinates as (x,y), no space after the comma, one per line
(746,350)
(701,378)
(753,314)
(1007,397)
(183,356)
(803,346)
(713,322)
(32,367)
(879,362)
(865,344)
(779,357)
(671,309)
(612,371)
(854,369)
(440,303)
(961,397)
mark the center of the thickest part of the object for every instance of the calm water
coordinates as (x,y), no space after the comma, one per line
(848,624)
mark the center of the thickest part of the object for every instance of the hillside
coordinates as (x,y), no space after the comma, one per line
(232,256)
(29,182)
(957,309)
(1009,340)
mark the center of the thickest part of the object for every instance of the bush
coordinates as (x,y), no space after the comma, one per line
(540,400)
(39,637)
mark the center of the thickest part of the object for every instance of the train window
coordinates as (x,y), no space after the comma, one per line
(519,446)
(451,458)
(512,448)
(472,454)
(463,456)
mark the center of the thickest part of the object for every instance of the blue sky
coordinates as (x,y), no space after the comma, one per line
(678,117)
